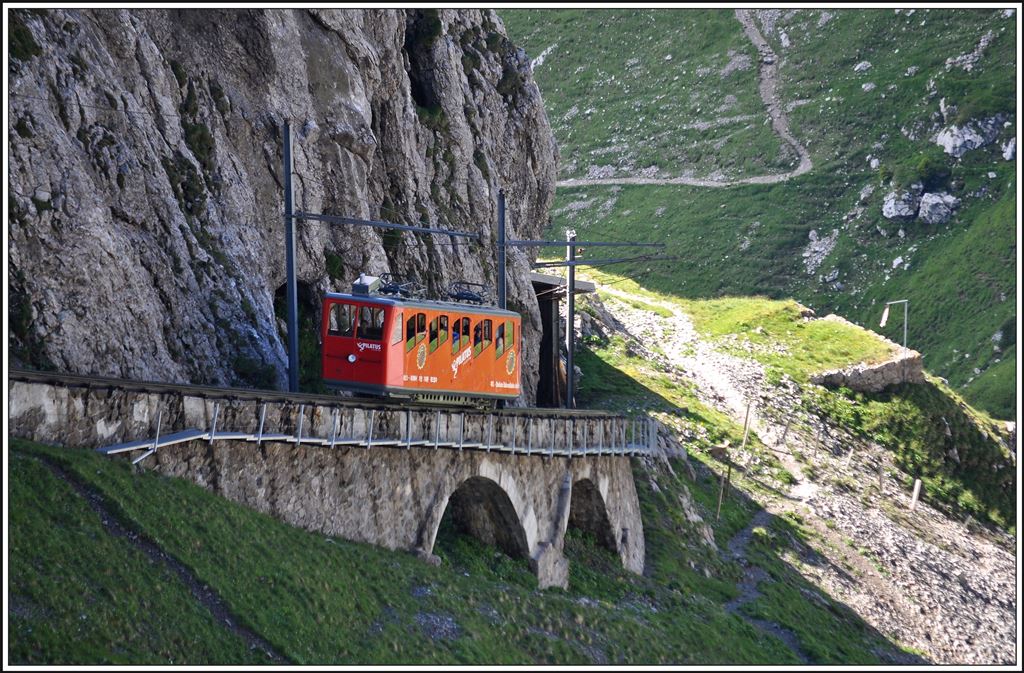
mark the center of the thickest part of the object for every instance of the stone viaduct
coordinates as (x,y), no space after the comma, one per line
(514,478)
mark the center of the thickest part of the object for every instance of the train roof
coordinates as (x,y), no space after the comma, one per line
(421,303)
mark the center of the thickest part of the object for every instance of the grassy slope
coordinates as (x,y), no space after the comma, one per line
(909,420)
(79,595)
(749,240)
(85,598)
(614,100)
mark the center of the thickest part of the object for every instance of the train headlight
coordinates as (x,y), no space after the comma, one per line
(352,357)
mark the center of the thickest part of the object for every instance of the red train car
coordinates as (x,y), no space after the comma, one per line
(427,350)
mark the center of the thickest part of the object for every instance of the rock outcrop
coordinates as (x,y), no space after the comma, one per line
(937,208)
(146,235)
(1010,149)
(899,204)
(958,140)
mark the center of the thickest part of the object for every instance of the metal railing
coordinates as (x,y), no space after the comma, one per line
(517,434)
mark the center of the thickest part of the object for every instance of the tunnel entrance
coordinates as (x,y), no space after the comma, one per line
(310,374)
(587,513)
(481,509)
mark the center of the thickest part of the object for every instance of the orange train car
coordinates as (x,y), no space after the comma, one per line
(428,350)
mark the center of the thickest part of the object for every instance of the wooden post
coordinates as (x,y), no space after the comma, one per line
(785,431)
(743,444)
(917,492)
(721,488)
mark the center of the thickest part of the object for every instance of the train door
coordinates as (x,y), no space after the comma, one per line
(338,340)
(354,344)
(369,366)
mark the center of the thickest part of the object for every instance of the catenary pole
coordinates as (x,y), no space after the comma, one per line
(289,248)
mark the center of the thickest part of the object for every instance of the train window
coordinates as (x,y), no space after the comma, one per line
(396,331)
(433,335)
(460,334)
(371,323)
(499,341)
(510,329)
(410,333)
(421,327)
(342,319)
(481,337)
(442,330)
(478,338)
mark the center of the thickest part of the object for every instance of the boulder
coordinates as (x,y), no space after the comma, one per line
(900,204)
(937,208)
(1010,149)
(957,140)
(862,66)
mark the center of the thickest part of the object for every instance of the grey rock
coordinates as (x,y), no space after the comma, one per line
(937,208)
(1010,149)
(957,141)
(900,204)
(863,66)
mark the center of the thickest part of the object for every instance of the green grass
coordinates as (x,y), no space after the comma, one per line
(773,331)
(80,596)
(749,240)
(809,346)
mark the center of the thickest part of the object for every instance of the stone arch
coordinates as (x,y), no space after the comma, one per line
(482,508)
(587,512)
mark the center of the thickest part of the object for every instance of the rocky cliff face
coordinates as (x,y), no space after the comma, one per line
(146,235)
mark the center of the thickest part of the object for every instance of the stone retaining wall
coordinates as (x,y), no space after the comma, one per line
(905,367)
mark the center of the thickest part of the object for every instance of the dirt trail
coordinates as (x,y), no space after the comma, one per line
(768,88)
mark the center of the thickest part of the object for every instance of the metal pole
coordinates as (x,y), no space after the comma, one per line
(570,321)
(502,291)
(263,417)
(213,428)
(289,251)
